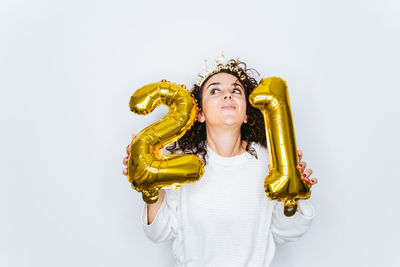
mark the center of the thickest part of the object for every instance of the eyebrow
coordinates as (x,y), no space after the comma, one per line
(213,84)
(235,83)
(216,83)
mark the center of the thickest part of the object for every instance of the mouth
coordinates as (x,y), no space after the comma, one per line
(228,107)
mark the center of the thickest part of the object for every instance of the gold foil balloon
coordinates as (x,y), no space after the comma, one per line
(148,171)
(284,182)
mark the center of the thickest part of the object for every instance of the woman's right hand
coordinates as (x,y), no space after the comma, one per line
(125,160)
(152,209)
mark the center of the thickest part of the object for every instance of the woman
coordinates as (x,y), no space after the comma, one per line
(225,219)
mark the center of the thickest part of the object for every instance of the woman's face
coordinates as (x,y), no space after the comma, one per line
(223,101)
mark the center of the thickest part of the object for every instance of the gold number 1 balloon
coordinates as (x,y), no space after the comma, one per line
(283,182)
(148,171)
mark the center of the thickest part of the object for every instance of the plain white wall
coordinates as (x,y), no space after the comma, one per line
(68,69)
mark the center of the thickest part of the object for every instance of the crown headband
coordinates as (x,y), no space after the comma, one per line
(219,66)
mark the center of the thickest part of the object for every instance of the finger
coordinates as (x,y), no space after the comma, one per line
(302,166)
(306,180)
(125,171)
(133,136)
(127,148)
(300,154)
(125,161)
(307,173)
(313,181)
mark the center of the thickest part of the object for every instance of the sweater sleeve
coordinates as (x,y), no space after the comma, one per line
(288,229)
(164,225)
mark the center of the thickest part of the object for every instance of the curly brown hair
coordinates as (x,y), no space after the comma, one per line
(194,140)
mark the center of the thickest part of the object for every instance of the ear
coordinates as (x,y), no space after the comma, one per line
(200,116)
(245,119)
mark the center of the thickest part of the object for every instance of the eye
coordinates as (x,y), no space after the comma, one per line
(237,91)
(214,91)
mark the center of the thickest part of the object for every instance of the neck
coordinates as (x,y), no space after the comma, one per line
(224,142)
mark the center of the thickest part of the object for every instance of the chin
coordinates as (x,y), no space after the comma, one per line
(227,121)
(231,123)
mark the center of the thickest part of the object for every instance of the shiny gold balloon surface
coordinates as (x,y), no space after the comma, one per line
(284,182)
(148,170)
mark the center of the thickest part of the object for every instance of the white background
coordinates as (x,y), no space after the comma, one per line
(68,70)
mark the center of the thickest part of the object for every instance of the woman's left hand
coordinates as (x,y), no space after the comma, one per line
(305,174)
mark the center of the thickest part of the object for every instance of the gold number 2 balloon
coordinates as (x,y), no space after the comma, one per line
(148,170)
(284,182)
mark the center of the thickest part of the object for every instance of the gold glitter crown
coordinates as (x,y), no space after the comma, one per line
(220,64)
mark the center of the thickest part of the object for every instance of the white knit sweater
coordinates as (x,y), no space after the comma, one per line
(226,219)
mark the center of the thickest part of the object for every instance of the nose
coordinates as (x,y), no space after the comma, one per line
(228,95)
